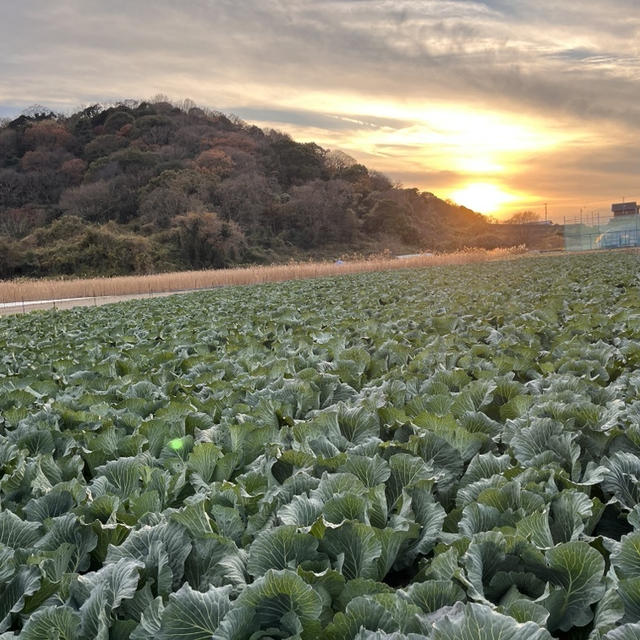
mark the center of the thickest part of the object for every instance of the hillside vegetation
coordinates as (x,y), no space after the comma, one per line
(145,187)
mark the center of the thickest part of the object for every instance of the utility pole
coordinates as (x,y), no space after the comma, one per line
(545,211)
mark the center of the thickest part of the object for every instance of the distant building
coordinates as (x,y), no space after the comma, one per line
(625,209)
(622,229)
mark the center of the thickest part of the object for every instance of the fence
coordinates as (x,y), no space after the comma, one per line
(600,232)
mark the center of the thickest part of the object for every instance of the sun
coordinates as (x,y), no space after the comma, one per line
(482,197)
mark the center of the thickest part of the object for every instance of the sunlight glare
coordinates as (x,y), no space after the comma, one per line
(482,197)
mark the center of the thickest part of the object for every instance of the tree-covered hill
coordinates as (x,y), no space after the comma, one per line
(149,186)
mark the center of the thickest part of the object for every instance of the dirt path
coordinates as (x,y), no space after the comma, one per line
(9,308)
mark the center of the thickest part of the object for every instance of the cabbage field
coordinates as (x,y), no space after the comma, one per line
(446,453)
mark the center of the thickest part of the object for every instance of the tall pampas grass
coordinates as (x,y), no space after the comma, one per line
(95,289)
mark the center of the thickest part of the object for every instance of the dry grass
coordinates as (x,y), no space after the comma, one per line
(26,290)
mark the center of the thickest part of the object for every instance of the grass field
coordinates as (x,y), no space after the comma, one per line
(420,454)
(55,289)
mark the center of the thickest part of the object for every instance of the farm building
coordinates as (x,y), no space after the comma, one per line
(622,229)
(625,209)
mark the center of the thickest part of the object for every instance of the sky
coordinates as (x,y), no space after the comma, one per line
(500,105)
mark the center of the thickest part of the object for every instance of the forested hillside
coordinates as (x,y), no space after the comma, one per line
(142,187)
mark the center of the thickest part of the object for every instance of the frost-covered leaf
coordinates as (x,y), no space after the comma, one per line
(203,459)
(162,548)
(194,518)
(52,623)
(12,594)
(371,471)
(623,478)
(629,631)
(302,511)
(626,556)
(103,591)
(280,548)
(576,573)
(535,528)
(485,465)
(52,504)
(484,555)
(150,621)
(193,615)
(355,548)
(281,599)
(526,611)
(358,424)
(204,564)
(123,475)
(434,594)
(17,533)
(480,622)
(406,471)
(569,513)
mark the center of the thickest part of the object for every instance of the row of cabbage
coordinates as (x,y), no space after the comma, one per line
(436,454)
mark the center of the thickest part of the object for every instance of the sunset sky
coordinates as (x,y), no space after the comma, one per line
(500,105)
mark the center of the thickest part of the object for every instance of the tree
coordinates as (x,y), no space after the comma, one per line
(10,258)
(118,119)
(160,205)
(337,160)
(92,201)
(14,188)
(103,146)
(9,148)
(320,213)
(247,199)
(184,190)
(43,159)
(154,130)
(390,217)
(526,232)
(294,163)
(379,182)
(204,240)
(216,161)
(49,134)
(73,170)
(73,246)
(524,217)
(226,139)
(355,173)
(137,165)
(17,223)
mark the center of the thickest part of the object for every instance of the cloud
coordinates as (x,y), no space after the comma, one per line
(331,122)
(338,68)
(451,49)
